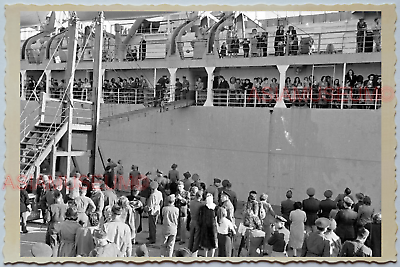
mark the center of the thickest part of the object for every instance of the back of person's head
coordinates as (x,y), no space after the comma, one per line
(199,194)
(263,197)
(367,200)
(123,201)
(203,186)
(289,194)
(347,191)
(142,251)
(94,219)
(297,205)
(57,194)
(182,253)
(362,233)
(171,199)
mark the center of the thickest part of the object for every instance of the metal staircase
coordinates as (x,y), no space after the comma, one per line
(37,145)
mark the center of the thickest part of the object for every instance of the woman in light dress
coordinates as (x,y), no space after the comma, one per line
(298,218)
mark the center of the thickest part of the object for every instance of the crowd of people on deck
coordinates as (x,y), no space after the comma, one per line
(359,92)
(325,93)
(287,42)
(102,216)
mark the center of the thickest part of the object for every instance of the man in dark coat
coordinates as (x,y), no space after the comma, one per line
(374,240)
(110,174)
(213,189)
(340,197)
(226,186)
(326,205)
(346,220)
(316,244)
(286,207)
(142,49)
(24,208)
(311,208)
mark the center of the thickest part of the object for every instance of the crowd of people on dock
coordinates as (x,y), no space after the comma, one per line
(102,216)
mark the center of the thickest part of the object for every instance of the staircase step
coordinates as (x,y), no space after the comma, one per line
(42,132)
(28,157)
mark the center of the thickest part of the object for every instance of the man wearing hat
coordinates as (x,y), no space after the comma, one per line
(154,203)
(360,198)
(98,198)
(134,177)
(226,186)
(316,244)
(326,205)
(104,248)
(170,226)
(41,250)
(334,240)
(311,208)
(182,202)
(119,232)
(109,175)
(213,189)
(227,204)
(357,248)
(287,206)
(194,206)
(24,206)
(120,175)
(280,238)
(361,31)
(187,181)
(196,180)
(173,174)
(346,220)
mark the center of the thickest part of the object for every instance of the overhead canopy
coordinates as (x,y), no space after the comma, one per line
(33,18)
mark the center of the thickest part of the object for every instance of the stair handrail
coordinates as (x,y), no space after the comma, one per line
(23,122)
(40,144)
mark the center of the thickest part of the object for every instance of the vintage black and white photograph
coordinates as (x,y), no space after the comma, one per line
(225,134)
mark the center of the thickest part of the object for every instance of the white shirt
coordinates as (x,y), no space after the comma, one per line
(224,226)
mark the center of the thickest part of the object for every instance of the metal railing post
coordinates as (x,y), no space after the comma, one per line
(136,95)
(319,43)
(245,97)
(363,44)
(227,97)
(376,96)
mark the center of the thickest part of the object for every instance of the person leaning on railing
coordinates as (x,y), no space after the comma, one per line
(377,34)
(279,43)
(361,33)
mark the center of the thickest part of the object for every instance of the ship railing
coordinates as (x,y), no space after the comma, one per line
(261,45)
(339,98)
(333,42)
